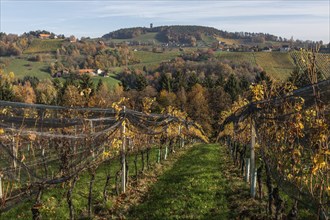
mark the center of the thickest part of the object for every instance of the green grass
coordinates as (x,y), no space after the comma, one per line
(277,64)
(147,38)
(194,188)
(48,45)
(22,67)
(111,82)
(151,59)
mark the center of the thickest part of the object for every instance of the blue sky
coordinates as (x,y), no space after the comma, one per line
(306,20)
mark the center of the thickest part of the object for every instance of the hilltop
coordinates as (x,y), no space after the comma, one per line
(201,36)
(186,35)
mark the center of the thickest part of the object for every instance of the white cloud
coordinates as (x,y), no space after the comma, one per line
(209,9)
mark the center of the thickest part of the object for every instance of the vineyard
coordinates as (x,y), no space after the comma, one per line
(61,162)
(46,146)
(322,61)
(280,139)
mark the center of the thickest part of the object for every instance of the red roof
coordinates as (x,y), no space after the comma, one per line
(86,70)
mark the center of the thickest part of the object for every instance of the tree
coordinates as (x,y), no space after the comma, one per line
(86,85)
(24,93)
(232,87)
(192,80)
(46,92)
(262,76)
(72,97)
(182,99)
(6,88)
(198,108)
(31,79)
(141,82)
(99,85)
(166,98)
(166,81)
(101,97)
(218,101)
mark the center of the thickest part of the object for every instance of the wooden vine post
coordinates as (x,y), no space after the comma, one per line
(123,177)
(252,160)
(1,194)
(166,145)
(91,140)
(14,148)
(14,153)
(181,138)
(247,169)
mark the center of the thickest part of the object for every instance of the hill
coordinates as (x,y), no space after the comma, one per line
(187,35)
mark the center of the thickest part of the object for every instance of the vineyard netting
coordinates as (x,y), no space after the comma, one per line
(43,145)
(288,133)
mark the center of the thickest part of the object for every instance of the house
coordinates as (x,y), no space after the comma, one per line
(106,74)
(87,71)
(44,36)
(285,48)
(99,72)
(73,39)
(61,73)
(58,74)
(267,49)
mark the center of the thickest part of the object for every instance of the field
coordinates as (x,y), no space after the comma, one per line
(40,46)
(148,57)
(23,67)
(111,82)
(278,65)
(229,41)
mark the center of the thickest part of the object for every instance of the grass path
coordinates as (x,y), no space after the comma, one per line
(194,188)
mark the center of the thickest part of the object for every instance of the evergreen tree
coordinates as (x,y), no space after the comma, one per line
(99,85)
(232,87)
(6,91)
(141,82)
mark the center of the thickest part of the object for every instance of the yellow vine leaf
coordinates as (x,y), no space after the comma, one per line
(32,137)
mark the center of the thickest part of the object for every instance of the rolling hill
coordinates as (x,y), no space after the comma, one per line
(191,35)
